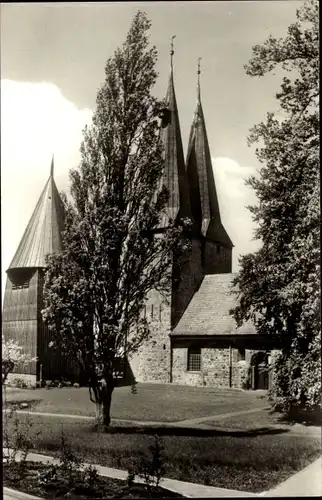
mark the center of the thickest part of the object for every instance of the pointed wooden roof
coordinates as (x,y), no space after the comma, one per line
(203,194)
(42,236)
(174,176)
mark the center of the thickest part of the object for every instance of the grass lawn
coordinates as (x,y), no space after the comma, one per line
(249,461)
(259,419)
(153,402)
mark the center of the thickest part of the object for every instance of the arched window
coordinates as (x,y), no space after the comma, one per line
(194,359)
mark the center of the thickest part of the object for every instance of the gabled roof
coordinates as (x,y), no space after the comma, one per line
(43,233)
(208,311)
(174,175)
(203,194)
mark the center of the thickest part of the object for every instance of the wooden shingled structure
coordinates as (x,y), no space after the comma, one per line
(43,234)
(23,298)
(174,174)
(203,194)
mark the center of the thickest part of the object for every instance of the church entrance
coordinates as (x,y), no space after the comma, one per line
(260,371)
(261,377)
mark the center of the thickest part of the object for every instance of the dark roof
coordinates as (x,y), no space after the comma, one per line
(203,194)
(43,233)
(174,176)
(208,311)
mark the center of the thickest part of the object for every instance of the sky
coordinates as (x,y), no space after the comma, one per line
(52,64)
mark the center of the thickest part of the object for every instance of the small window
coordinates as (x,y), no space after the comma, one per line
(218,248)
(194,359)
(20,286)
(20,278)
(241,354)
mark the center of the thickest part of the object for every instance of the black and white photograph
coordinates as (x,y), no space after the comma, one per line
(160,249)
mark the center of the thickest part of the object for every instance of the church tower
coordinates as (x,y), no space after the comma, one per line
(23,299)
(217,246)
(155,356)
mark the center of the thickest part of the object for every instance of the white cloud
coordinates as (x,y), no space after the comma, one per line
(36,121)
(234,196)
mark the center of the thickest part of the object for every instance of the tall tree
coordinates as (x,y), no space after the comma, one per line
(114,251)
(279,284)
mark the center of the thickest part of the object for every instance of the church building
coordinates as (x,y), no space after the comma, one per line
(195,341)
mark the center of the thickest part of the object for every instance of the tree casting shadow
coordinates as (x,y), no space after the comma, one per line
(162,430)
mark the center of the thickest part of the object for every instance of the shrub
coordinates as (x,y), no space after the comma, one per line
(12,354)
(47,476)
(19,383)
(150,468)
(19,440)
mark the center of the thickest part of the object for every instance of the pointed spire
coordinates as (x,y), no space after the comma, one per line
(52,166)
(174,175)
(172,52)
(203,194)
(43,235)
(198,81)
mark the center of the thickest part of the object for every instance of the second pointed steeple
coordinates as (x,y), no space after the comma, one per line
(174,176)
(202,188)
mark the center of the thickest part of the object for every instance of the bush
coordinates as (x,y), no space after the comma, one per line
(150,468)
(47,476)
(19,440)
(68,474)
(19,383)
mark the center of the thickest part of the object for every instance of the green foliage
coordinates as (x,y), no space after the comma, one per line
(280,284)
(134,388)
(17,437)
(47,477)
(12,354)
(19,383)
(150,467)
(69,473)
(113,254)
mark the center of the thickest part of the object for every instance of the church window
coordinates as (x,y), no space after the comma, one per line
(241,354)
(194,359)
(218,248)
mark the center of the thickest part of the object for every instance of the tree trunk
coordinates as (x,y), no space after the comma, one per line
(103,408)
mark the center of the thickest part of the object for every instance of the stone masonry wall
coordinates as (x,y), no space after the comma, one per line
(153,358)
(214,368)
(152,363)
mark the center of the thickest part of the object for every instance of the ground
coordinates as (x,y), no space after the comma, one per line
(153,402)
(45,481)
(225,438)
